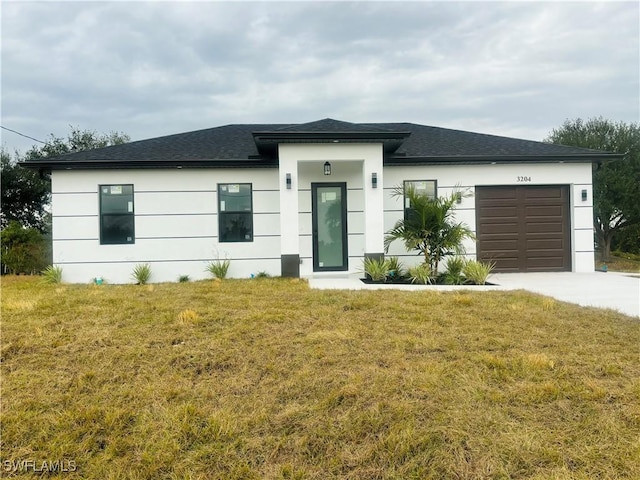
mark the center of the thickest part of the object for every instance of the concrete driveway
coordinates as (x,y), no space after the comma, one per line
(618,291)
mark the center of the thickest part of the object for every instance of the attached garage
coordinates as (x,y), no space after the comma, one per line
(524,228)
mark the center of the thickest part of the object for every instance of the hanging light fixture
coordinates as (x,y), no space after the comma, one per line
(327,168)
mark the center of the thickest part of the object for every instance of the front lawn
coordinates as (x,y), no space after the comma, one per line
(265,378)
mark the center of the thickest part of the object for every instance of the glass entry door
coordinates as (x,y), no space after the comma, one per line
(329,216)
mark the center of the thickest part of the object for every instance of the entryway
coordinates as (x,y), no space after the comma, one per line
(329,223)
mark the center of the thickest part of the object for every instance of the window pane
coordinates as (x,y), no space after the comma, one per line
(116,214)
(235,197)
(421,187)
(116,199)
(115,229)
(236,227)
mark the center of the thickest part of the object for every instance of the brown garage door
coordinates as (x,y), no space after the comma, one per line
(524,229)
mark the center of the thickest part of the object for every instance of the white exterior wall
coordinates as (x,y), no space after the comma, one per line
(467,177)
(351,163)
(176,224)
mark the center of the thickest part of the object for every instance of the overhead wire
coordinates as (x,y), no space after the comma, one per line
(21,134)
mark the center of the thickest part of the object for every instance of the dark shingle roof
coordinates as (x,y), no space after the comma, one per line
(235,145)
(328,125)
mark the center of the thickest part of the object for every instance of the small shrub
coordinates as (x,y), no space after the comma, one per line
(627,255)
(24,250)
(395,267)
(262,274)
(52,274)
(183,278)
(141,273)
(376,269)
(477,272)
(219,268)
(453,275)
(421,274)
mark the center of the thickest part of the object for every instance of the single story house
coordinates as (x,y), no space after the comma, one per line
(302,199)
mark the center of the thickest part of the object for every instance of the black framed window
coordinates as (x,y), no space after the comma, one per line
(117,224)
(235,212)
(422,187)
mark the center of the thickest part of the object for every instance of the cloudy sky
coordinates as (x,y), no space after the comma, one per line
(156,68)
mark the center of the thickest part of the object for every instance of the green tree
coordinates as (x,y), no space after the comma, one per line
(77,141)
(25,218)
(616,184)
(429,226)
(25,195)
(25,192)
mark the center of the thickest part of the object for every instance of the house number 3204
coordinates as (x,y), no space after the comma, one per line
(524,179)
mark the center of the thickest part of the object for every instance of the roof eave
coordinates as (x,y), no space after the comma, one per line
(397,160)
(148,164)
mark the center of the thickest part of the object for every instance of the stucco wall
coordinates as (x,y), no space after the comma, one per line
(176,224)
(350,163)
(467,177)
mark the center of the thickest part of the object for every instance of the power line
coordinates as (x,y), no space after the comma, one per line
(21,134)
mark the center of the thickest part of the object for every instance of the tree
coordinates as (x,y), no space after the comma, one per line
(616,184)
(429,226)
(25,195)
(24,218)
(25,192)
(77,141)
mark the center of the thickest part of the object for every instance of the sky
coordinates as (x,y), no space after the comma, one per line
(518,69)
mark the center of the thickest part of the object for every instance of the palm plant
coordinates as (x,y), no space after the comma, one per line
(429,226)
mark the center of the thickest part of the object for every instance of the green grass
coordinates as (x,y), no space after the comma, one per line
(621,262)
(244,379)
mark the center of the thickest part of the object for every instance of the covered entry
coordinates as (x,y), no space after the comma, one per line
(524,228)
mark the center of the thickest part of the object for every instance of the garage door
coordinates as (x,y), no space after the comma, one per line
(524,229)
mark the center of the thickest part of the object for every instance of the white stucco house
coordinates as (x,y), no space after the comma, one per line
(303,199)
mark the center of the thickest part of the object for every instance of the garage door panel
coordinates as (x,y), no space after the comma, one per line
(500,212)
(551,211)
(507,264)
(544,227)
(544,193)
(496,193)
(498,228)
(504,245)
(539,254)
(546,263)
(544,244)
(536,238)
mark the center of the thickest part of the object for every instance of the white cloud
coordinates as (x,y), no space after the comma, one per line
(151,69)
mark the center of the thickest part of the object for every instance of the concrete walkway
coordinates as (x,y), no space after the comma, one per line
(617,291)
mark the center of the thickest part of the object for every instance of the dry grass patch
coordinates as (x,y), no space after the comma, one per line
(268,379)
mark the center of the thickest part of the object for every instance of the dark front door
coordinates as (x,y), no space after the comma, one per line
(329,217)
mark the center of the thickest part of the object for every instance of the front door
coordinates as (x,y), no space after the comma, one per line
(329,217)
